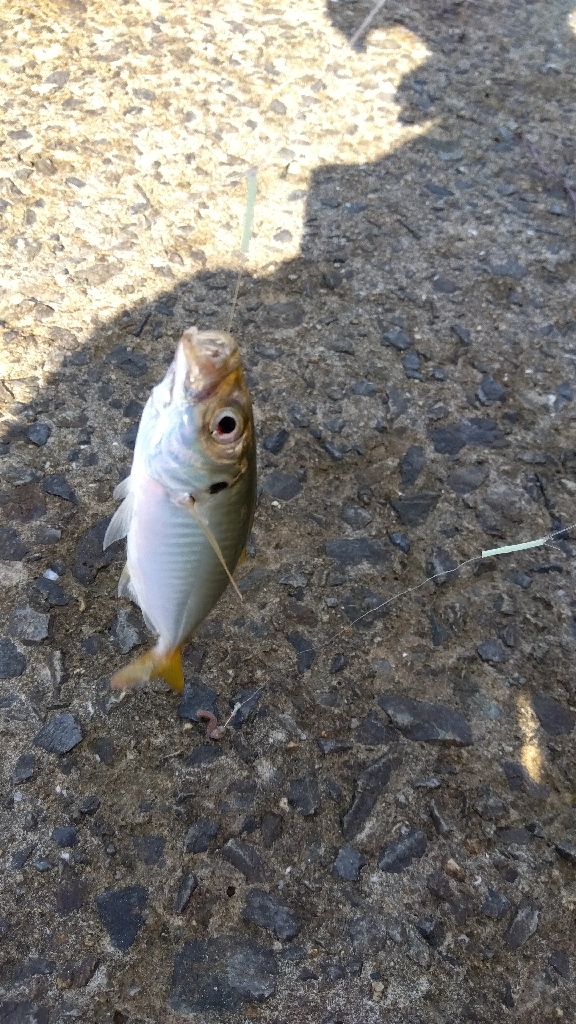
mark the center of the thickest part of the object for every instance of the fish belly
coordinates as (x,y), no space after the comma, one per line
(176,576)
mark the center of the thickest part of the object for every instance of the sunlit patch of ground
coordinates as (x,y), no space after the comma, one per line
(191,99)
(530,752)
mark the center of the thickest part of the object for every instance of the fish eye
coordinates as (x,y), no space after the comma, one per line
(226,426)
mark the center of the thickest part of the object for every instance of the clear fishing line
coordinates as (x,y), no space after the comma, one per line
(506,549)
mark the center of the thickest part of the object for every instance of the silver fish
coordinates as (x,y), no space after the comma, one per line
(189,500)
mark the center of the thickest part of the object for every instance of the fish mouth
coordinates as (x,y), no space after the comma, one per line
(210,356)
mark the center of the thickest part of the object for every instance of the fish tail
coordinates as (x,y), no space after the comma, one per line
(167,664)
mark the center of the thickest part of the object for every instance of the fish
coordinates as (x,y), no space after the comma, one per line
(188,503)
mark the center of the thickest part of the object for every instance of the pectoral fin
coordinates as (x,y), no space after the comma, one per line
(120,523)
(150,665)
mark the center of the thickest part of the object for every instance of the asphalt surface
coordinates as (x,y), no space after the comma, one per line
(387,830)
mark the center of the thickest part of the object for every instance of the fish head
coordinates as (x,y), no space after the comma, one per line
(204,434)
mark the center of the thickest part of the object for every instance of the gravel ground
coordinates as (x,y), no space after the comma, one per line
(387,831)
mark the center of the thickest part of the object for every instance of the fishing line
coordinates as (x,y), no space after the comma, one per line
(213,543)
(506,549)
(252,183)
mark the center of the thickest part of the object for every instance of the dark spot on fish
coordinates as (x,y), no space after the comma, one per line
(221,486)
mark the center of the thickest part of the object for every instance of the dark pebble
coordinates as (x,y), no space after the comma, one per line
(444,285)
(339,661)
(52,591)
(490,390)
(271,829)
(268,912)
(243,793)
(567,851)
(200,835)
(333,790)
(332,279)
(133,364)
(356,517)
(439,886)
(90,555)
(149,849)
(369,785)
(520,780)
(330,746)
(89,805)
(362,607)
(366,388)
(368,933)
(441,565)
(493,651)
(133,410)
(12,662)
(373,730)
(433,930)
(275,442)
(61,734)
(304,650)
(489,805)
(560,963)
(467,478)
(495,905)
(197,697)
(411,364)
(24,768)
(475,431)
(204,755)
(398,855)
(524,924)
(415,509)
(128,437)
(396,338)
(245,858)
(57,485)
(65,836)
(77,973)
(216,976)
(12,547)
(71,896)
(553,718)
(281,485)
(304,795)
(400,540)
(283,314)
(356,550)
(514,836)
(38,433)
(519,579)
(187,886)
(427,722)
(20,857)
(508,269)
(248,699)
(103,747)
(438,632)
(441,825)
(333,450)
(29,625)
(120,912)
(411,465)
(348,864)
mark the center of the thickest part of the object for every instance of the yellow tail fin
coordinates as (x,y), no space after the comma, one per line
(150,665)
